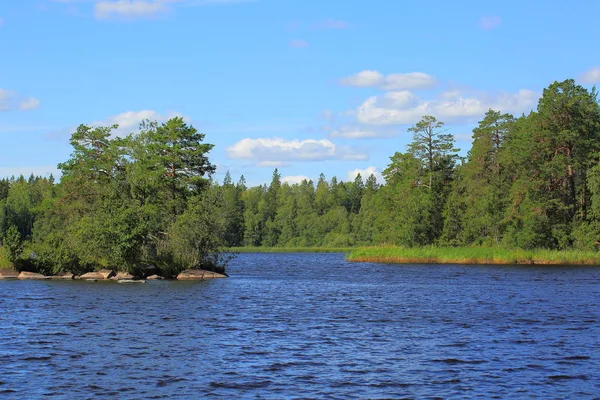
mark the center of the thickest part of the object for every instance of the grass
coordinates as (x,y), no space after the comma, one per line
(472,255)
(289,249)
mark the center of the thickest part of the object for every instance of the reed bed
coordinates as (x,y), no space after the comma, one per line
(289,249)
(472,255)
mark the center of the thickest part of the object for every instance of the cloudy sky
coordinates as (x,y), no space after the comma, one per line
(300,85)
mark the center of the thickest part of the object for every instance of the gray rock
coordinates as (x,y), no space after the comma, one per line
(66,275)
(198,274)
(7,273)
(98,275)
(123,275)
(32,275)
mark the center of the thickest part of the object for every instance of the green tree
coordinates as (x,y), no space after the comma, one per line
(13,244)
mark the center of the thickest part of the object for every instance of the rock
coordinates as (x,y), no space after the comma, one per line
(123,275)
(131,281)
(66,275)
(7,273)
(98,275)
(32,275)
(155,278)
(198,274)
(107,273)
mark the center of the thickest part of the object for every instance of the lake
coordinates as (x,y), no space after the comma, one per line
(308,326)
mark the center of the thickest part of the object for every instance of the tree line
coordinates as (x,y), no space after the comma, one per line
(531,181)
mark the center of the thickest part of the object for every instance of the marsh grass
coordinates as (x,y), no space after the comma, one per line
(472,255)
(289,249)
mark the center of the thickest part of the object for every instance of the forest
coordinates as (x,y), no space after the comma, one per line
(148,200)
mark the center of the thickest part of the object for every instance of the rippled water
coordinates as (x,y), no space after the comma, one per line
(308,326)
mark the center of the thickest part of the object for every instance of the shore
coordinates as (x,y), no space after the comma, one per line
(472,255)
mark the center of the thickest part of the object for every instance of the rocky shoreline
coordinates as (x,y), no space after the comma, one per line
(110,275)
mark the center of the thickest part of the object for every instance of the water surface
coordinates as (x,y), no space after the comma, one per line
(308,326)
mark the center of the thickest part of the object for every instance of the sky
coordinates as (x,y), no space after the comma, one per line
(304,86)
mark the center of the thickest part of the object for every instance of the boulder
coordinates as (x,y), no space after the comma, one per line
(123,275)
(32,275)
(98,275)
(198,274)
(7,273)
(155,278)
(66,275)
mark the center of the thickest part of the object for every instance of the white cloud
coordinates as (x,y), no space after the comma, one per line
(405,108)
(366,78)
(139,9)
(267,151)
(408,81)
(590,76)
(272,164)
(43,170)
(130,120)
(29,104)
(358,132)
(293,179)
(5,99)
(10,100)
(298,43)
(331,24)
(130,9)
(350,132)
(327,115)
(365,173)
(488,23)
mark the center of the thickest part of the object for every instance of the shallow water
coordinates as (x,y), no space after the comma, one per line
(308,326)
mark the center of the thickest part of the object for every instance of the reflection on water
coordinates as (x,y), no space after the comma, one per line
(306,326)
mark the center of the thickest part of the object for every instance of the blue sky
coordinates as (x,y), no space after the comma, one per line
(305,86)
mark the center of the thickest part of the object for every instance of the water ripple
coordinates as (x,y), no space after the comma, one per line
(308,326)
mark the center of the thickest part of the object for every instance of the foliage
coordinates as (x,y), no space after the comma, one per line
(13,244)
(147,200)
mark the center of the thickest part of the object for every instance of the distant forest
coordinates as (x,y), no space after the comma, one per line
(527,182)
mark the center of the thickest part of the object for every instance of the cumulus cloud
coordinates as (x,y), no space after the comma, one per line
(128,122)
(408,81)
(488,23)
(298,43)
(10,100)
(590,76)
(267,151)
(29,104)
(293,179)
(406,108)
(365,173)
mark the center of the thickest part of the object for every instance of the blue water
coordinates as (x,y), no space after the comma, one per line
(308,326)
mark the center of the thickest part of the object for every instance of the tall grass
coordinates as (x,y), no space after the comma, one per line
(250,249)
(473,255)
